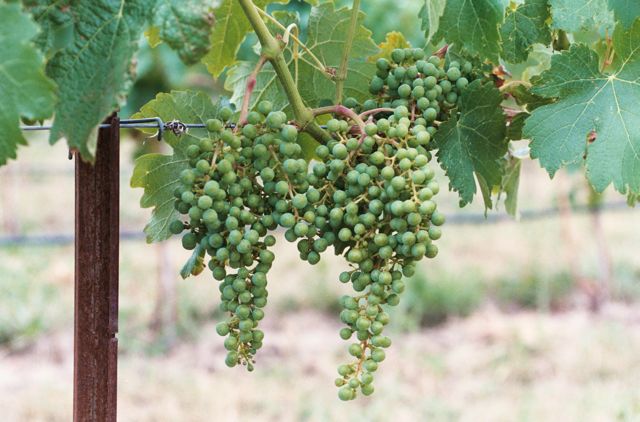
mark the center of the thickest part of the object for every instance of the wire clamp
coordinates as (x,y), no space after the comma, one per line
(177,127)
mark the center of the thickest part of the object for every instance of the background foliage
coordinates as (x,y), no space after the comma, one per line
(91,52)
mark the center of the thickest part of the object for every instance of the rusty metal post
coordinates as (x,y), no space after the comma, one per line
(96,280)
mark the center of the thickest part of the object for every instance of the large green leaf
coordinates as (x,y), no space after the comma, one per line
(595,117)
(576,15)
(625,11)
(93,71)
(231,27)
(24,89)
(56,24)
(430,14)
(326,39)
(523,27)
(159,174)
(185,25)
(473,25)
(474,142)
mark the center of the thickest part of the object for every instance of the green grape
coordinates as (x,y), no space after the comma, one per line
(397,55)
(176,227)
(367,389)
(214,125)
(265,107)
(404,91)
(453,74)
(222,328)
(375,87)
(346,393)
(226,113)
(462,83)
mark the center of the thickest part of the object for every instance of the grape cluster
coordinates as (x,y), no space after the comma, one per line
(229,216)
(371,199)
(429,86)
(369,196)
(379,207)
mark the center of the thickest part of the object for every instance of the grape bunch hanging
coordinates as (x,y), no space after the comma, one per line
(369,196)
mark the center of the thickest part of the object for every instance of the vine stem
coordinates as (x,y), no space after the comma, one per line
(376,111)
(273,53)
(251,85)
(341,76)
(609,54)
(340,109)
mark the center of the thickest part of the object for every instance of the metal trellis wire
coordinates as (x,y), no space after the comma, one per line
(175,126)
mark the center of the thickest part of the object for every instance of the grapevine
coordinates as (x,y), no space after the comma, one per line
(329,137)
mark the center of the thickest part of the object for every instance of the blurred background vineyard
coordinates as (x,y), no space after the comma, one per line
(514,321)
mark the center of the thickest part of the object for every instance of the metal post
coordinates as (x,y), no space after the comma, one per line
(96,280)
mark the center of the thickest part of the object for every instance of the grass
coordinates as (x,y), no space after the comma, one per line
(527,367)
(434,300)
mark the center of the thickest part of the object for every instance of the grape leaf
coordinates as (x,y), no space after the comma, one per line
(185,26)
(523,27)
(524,96)
(325,38)
(230,29)
(625,11)
(473,142)
(473,24)
(514,130)
(195,263)
(576,15)
(594,119)
(93,72)
(159,174)
(430,14)
(56,24)
(24,89)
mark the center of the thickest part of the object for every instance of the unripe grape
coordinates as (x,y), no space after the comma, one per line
(404,91)
(363,323)
(367,389)
(214,125)
(355,350)
(222,329)
(230,343)
(176,227)
(225,113)
(370,365)
(231,360)
(346,333)
(397,55)
(366,378)
(437,218)
(265,107)
(344,370)
(345,393)
(189,241)
(378,355)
